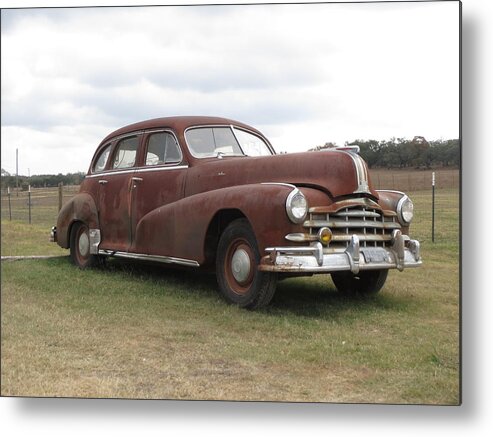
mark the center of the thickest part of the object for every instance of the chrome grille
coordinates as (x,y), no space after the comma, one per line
(369,224)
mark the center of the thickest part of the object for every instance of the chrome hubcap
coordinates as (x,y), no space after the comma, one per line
(241,265)
(83,244)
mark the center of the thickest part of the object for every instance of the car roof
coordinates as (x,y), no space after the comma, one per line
(178,124)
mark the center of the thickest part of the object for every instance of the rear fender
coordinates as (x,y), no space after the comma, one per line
(80,208)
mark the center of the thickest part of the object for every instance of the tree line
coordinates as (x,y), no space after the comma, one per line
(40,181)
(393,153)
(403,153)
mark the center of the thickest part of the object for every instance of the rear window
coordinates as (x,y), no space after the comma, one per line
(125,154)
(100,164)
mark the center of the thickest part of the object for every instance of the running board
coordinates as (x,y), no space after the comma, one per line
(144,257)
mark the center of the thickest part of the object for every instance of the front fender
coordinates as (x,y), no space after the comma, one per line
(80,208)
(388,200)
(179,229)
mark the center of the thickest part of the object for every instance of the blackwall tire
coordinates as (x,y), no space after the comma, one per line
(367,282)
(79,247)
(240,282)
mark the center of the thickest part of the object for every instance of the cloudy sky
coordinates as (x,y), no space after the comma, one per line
(302,74)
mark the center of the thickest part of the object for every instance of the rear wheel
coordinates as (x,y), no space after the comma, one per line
(80,247)
(364,283)
(238,277)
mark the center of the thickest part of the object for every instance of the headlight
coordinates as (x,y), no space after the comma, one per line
(405,210)
(296,206)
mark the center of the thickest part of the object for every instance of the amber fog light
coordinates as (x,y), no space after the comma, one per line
(324,235)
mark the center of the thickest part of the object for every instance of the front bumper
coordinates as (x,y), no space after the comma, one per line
(402,253)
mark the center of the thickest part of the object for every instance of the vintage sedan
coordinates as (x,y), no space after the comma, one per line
(211,192)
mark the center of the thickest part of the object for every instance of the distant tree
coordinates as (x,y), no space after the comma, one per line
(38,181)
(415,153)
(329,145)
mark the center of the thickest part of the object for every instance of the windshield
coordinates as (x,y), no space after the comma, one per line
(206,142)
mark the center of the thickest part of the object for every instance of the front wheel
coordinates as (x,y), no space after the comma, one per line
(238,277)
(80,247)
(364,283)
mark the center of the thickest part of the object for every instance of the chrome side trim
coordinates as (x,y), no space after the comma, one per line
(175,167)
(109,173)
(279,183)
(145,257)
(390,191)
(299,237)
(139,170)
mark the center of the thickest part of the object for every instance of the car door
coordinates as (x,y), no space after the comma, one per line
(159,180)
(115,195)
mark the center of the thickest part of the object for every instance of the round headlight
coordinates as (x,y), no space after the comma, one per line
(296,206)
(405,210)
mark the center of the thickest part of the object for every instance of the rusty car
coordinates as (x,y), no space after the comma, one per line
(210,192)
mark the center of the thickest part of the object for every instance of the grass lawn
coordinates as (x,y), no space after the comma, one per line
(144,331)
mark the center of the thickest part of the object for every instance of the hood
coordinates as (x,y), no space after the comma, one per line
(339,173)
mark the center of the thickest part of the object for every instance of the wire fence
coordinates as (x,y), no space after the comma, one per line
(414,180)
(41,205)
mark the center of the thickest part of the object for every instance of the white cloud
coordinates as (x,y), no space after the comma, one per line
(305,74)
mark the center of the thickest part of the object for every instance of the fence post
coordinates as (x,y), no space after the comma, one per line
(60,195)
(433,207)
(10,206)
(29,203)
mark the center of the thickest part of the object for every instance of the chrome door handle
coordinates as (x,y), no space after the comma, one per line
(103,181)
(137,179)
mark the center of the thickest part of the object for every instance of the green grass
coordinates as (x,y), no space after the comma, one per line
(23,239)
(144,331)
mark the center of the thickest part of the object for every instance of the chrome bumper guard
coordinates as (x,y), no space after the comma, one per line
(53,234)
(403,253)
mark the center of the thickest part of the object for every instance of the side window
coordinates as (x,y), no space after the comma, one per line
(102,159)
(162,149)
(125,153)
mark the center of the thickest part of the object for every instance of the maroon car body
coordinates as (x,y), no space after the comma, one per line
(211,192)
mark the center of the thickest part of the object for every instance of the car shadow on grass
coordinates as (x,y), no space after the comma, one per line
(172,277)
(307,297)
(317,297)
